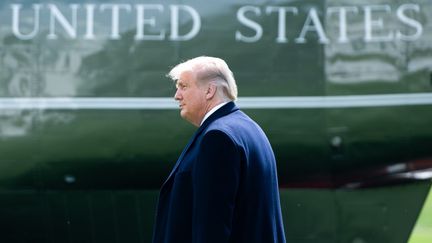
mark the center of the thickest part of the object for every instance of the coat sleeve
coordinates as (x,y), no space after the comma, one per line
(215,178)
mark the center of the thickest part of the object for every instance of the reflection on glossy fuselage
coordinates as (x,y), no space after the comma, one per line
(89,128)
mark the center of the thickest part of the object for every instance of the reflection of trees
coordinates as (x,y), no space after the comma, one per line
(26,67)
(18,78)
(19,66)
(127,67)
(375,63)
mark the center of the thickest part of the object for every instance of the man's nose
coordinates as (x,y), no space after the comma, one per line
(177,95)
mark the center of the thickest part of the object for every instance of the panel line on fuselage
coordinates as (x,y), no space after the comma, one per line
(167,103)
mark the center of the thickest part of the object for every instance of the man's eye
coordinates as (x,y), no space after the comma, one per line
(180,86)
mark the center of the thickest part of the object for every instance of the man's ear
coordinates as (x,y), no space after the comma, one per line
(211,91)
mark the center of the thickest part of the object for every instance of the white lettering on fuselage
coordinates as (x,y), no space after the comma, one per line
(373,23)
(158,22)
(146,16)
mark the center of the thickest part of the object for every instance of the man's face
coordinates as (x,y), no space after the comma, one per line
(191,97)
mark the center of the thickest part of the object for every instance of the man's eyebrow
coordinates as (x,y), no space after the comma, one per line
(180,82)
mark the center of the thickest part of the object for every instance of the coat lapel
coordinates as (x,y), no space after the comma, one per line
(223,111)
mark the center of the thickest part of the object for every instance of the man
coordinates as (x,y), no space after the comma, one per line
(224,186)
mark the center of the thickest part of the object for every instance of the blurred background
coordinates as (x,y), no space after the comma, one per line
(422,232)
(89,129)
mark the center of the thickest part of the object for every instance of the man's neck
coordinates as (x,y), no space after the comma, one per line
(212,110)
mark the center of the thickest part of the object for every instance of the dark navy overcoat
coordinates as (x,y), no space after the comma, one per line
(224,186)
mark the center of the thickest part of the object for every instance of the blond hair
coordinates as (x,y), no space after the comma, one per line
(209,69)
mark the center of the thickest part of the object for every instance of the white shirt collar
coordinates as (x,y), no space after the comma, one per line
(213,110)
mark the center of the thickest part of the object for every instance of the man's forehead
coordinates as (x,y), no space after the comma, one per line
(185,77)
(182,81)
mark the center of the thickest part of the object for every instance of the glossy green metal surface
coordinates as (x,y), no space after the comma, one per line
(79,164)
(321,216)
